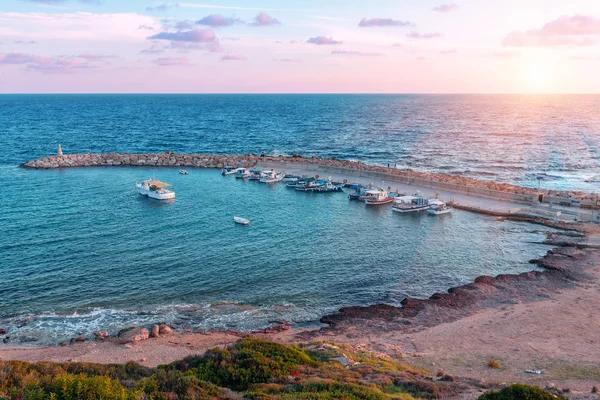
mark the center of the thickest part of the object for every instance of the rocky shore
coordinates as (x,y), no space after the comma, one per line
(563,267)
(170,159)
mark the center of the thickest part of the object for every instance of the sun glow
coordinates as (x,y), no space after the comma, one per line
(540,75)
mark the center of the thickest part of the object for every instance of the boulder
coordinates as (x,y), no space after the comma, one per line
(155,331)
(133,335)
(164,329)
(101,335)
(79,339)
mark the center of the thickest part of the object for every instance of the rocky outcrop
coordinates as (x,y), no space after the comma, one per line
(133,335)
(101,335)
(563,267)
(170,159)
(164,329)
(155,331)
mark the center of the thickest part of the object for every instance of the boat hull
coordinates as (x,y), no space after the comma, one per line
(439,212)
(410,210)
(387,200)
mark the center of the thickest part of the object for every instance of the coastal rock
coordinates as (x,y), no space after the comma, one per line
(155,331)
(133,335)
(164,329)
(3,331)
(78,339)
(101,335)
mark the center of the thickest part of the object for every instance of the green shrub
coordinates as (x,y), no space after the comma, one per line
(518,392)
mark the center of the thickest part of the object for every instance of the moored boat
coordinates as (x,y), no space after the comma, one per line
(241,221)
(438,207)
(290,178)
(406,204)
(255,174)
(271,177)
(228,170)
(183,172)
(328,187)
(376,197)
(241,173)
(155,189)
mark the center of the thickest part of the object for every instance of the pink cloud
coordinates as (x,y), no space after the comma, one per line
(96,57)
(233,57)
(289,60)
(218,21)
(16,57)
(417,35)
(323,40)
(506,54)
(356,53)
(445,8)
(379,22)
(447,52)
(183,25)
(173,62)
(195,36)
(564,31)
(46,64)
(263,19)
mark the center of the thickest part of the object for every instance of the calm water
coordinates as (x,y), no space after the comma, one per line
(81,251)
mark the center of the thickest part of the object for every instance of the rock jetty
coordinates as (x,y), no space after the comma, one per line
(170,159)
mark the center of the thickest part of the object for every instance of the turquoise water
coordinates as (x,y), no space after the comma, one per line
(82,251)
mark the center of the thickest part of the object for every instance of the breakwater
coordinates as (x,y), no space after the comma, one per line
(454,183)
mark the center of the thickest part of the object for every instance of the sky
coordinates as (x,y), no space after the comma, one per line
(293,46)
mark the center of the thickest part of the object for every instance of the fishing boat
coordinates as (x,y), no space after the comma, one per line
(241,173)
(183,172)
(299,183)
(241,221)
(406,204)
(357,191)
(255,174)
(377,197)
(310,185)
(155,189)
(271,177)
(290,178)
(228,170)
(328,187)
(438,207)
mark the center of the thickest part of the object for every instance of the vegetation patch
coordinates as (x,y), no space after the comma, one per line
(519,392)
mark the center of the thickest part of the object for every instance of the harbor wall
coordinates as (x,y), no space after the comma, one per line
(452,183)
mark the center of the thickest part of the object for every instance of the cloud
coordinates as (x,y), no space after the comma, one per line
(147,27)
(506,54)
(584,58)
(447,52)
(96,57)
(217,21)
(356,53)
(444,8)
(45,64)
(288,60)
(173,62)
(24,42)
(378,22)
(263,19)
(417,35)
(233,57)
(213,47)
(323,40)
(564,31)
(162,7)
(194,36)
(183,25)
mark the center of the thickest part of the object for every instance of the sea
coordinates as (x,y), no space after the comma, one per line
(81,251)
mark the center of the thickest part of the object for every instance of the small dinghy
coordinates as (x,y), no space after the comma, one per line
(241,221)
(183,172)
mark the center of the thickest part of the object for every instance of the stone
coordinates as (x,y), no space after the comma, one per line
(3,331)
(101,335)
(78,339)
(133,335)
(155,331)
(143,359)
(164,329)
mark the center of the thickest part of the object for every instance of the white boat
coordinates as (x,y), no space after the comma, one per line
(242,173)
(290,178)
(406,204)
(155,189)
(438,207)
(228,170)
(183,172)
(271,177)
(255,174)
(241,221)
(376,197)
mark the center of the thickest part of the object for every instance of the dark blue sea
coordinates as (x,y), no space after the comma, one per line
(80,250)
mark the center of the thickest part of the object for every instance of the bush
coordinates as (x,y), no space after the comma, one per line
(493,364)
(518,392)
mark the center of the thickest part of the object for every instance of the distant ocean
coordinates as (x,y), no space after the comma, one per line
(81,251)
